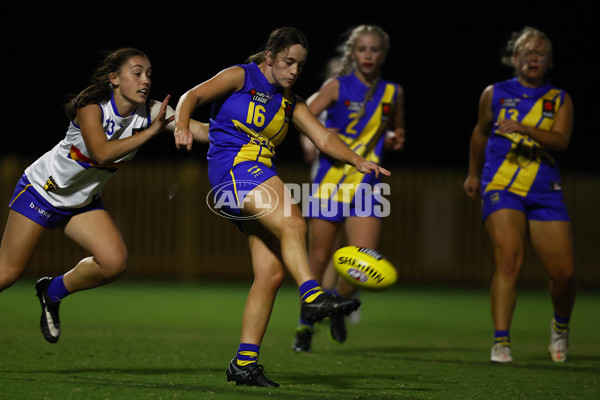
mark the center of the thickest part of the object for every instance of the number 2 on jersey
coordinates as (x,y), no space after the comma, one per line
(353,121)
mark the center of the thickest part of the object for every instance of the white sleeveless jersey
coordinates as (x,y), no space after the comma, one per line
(67,176)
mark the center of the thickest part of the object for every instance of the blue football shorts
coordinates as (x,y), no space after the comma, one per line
(28,202)
(228,192)
(548,206)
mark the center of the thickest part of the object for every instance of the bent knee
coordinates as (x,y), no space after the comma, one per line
(9,275)
(7,280)
(113,265)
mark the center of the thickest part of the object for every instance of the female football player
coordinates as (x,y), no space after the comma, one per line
(253,106)
(523,125)
(110,120)
(366,112)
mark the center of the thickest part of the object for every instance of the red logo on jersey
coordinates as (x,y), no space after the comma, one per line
(385,108)
(548,109)
(289,111)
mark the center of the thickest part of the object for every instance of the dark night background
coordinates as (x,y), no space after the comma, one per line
(443,57)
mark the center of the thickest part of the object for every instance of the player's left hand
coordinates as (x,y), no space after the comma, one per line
(366,167)
(510,126)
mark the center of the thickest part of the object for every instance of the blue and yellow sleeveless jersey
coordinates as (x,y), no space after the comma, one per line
(249,124)
(514,162)
(365,135)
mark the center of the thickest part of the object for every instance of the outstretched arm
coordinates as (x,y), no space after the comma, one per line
(104,151)
(329,143)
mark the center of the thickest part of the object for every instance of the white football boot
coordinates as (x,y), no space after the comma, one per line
(559,344)
(501,354)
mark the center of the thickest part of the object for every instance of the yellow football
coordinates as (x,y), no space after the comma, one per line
(364,268)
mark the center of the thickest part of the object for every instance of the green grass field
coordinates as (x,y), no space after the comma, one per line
(169,341)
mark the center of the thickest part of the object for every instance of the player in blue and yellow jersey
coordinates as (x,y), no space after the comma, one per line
(253,107)
(366,111)
(524,123)
(110,120)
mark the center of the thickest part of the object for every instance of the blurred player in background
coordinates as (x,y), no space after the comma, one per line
(524,123)
(366,112)
(253,106)
(110,120)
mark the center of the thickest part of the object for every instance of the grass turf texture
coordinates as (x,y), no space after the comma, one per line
(168,341)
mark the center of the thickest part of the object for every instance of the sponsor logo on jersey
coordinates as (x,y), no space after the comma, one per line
(509,103)
(548,109)
(289,111)
(386,109)
(260,97)
(50,184)
(352,105)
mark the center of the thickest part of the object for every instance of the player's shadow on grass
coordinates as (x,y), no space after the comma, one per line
(345,381)
(411,353)
(204,381)
(403,350)
(128,371)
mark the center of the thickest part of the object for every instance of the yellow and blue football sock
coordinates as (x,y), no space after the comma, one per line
(57,290)
(560,324)
(502,337)
(247,354)
(310,290)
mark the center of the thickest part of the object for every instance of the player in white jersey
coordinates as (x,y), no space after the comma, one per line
(110,120)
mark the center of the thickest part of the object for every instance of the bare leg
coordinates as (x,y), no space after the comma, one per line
(96,232)
(268,276)
(18,243)
(508,230)
(287,225)
(322,239)
(553,241)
